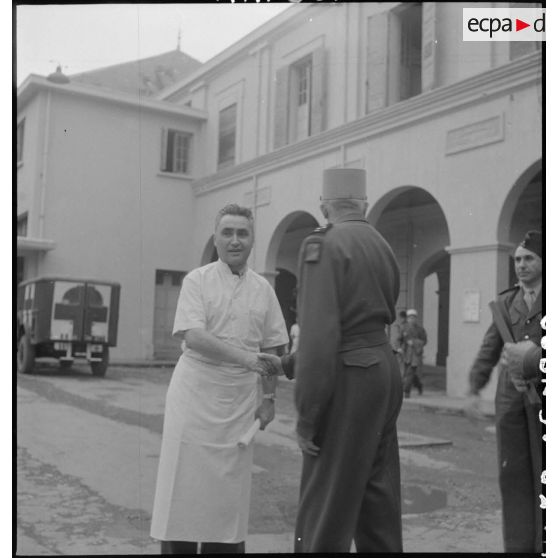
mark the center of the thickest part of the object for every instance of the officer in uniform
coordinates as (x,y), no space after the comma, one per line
(518,430)
(348,388)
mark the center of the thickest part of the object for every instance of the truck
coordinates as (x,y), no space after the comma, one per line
(66,318)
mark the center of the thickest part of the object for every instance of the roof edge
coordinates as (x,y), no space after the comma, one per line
(34,83)
(245,42)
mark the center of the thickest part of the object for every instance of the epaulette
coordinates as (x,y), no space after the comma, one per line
(510,289)
(313,246)
(322,230)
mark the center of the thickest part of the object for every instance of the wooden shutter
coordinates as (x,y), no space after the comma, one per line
(164,137)
(428,70)
(281,107)
(318,106)
(377,62)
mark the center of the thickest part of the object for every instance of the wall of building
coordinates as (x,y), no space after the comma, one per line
(111,212)
(468,158)
(29,171)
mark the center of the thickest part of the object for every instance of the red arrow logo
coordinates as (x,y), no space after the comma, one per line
(519,24)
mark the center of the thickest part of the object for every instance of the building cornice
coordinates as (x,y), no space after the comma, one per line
(479,88)
(501,247)
(34,84)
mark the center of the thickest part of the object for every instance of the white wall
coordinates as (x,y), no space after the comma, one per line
(110,212)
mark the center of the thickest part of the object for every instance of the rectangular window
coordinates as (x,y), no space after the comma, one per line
(20,128)
(20,269)
(22,225)
(167,276)
(303,81)
(300,99)
(410,79)
(227,136)
(175,151)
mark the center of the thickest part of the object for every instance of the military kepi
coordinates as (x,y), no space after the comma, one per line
(533,242)
(341,184)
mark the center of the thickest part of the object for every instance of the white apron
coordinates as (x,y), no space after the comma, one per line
(204,478)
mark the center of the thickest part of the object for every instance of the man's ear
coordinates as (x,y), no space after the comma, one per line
(324,210)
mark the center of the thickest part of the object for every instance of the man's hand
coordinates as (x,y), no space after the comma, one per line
(512,360)
(271,363)
(473,409)
(262,367)
(308,446)
(265,412)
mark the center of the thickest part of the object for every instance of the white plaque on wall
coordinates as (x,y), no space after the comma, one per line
(471,306)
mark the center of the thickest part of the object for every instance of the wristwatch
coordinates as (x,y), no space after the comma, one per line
(270,396)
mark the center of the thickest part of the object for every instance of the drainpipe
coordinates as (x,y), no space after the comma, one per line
(347,23)
(44,164)
(254,206)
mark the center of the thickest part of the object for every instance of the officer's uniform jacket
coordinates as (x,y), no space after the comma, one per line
(525,324)
(344,304)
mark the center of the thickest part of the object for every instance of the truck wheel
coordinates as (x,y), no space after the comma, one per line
(99,368)
(25,355)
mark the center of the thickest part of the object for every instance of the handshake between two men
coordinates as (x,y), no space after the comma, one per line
(273,365)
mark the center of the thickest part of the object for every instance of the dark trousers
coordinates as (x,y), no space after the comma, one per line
(187,547)
(411,378)
(352,490)
(519,438)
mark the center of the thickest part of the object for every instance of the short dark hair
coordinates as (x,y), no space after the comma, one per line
(403,314)
(234,209)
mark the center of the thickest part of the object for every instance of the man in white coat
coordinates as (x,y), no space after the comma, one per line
(226,315)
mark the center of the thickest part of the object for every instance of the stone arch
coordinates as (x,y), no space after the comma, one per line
(282,257)
(286,239)
(209,252)
(414,224)
(522,209)
(432,301)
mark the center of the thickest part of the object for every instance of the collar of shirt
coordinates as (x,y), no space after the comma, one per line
(226,270)
(537,289)
(352,216)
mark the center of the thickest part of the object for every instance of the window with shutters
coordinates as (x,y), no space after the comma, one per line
(394,56)
(227,136)
(300,99)
(20,269)
(522,48)
(301,74)
(411,52)
(175,151)
(20,129)
(22,225)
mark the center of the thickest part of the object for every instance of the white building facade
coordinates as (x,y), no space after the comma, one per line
(450,134)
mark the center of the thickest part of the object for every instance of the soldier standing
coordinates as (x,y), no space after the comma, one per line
(395,339)
(348,386)
(412,342)
(518,430)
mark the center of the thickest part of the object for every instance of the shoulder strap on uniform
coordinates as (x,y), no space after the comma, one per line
(511,289)
(313,244)
(322,230)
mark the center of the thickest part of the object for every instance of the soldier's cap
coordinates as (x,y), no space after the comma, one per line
(343,183)
(532,242)
(412,312)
